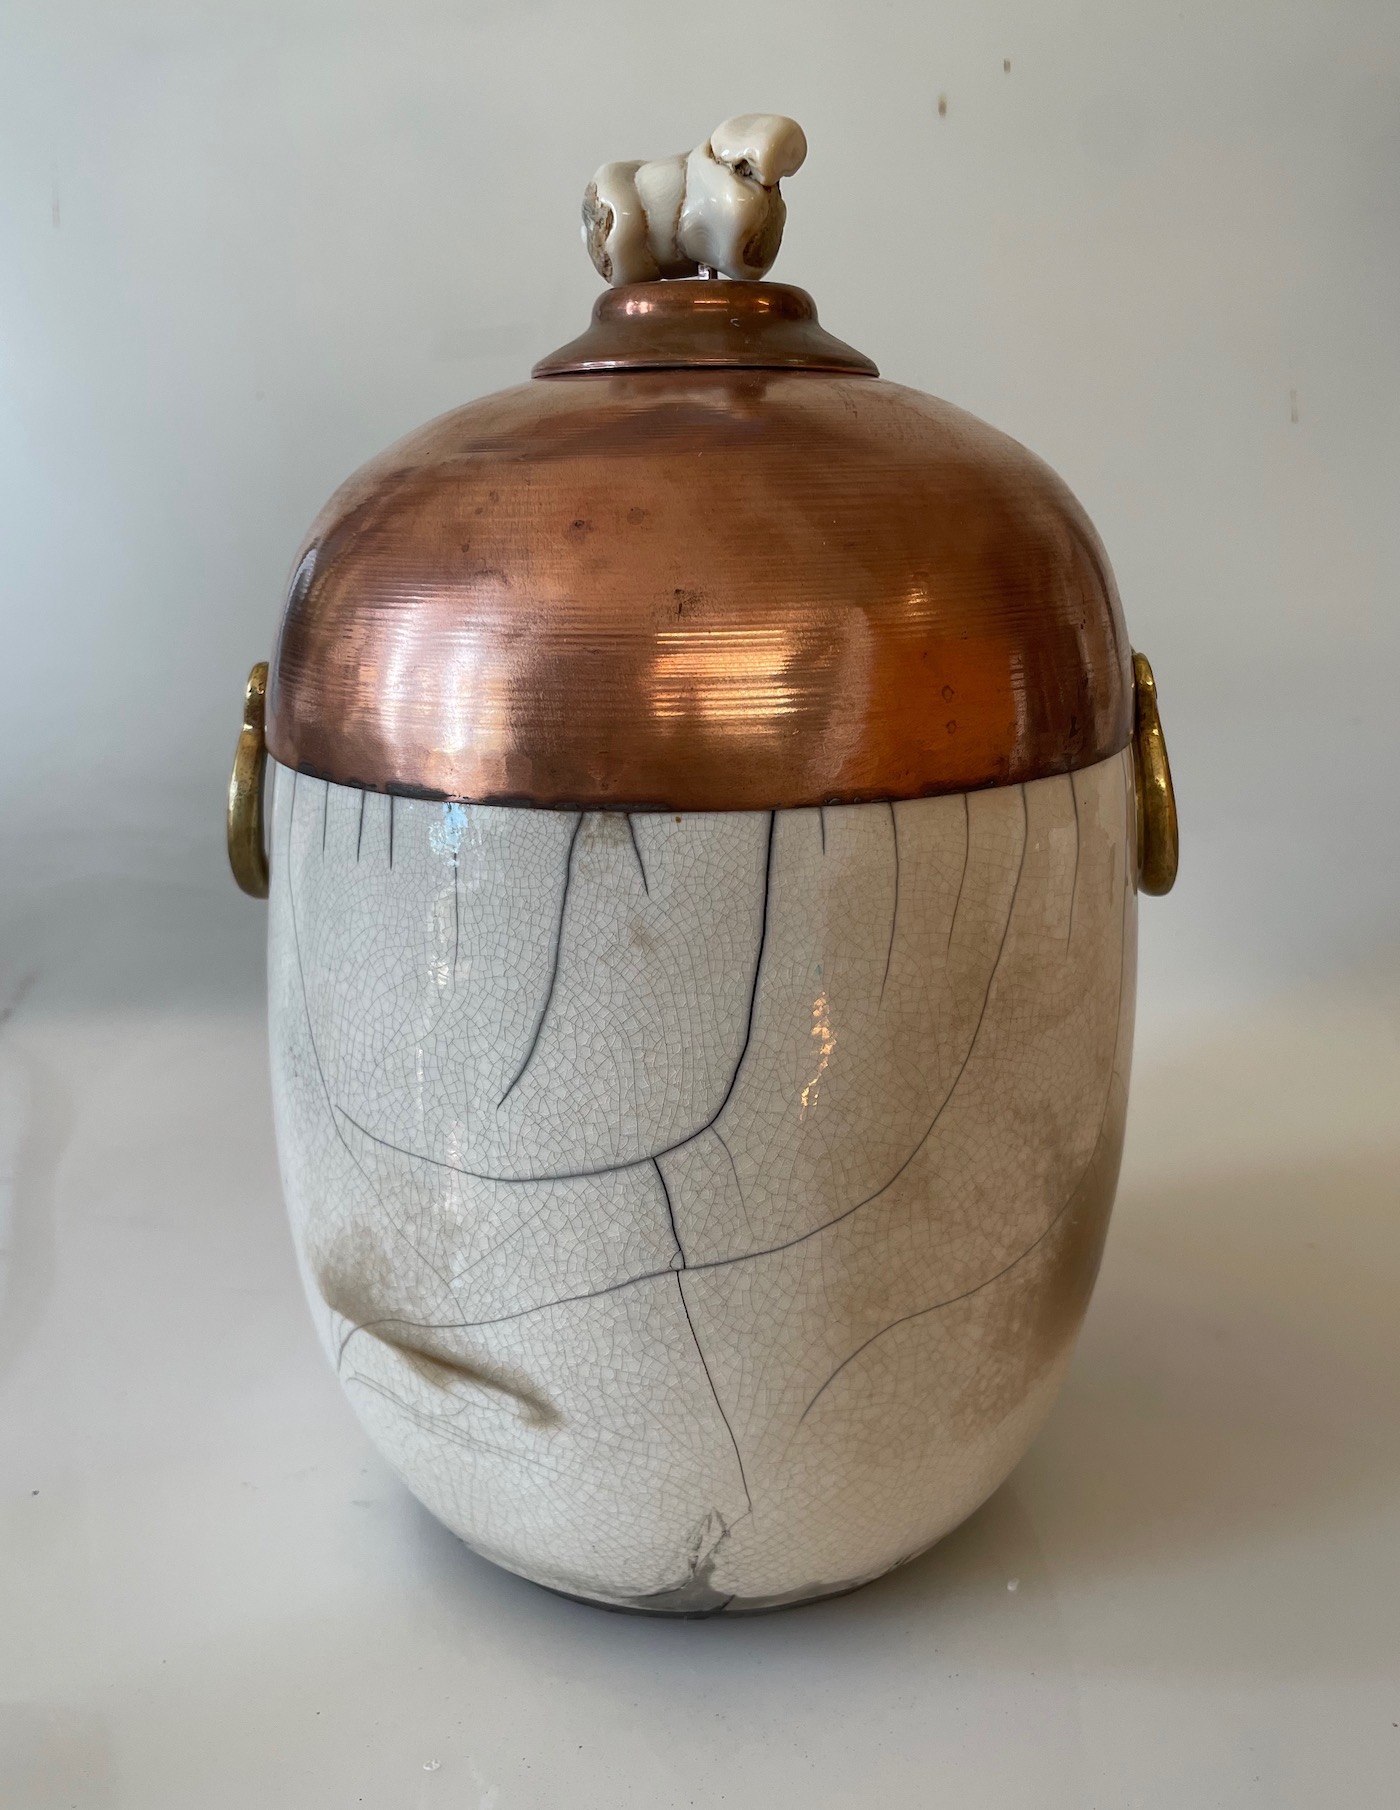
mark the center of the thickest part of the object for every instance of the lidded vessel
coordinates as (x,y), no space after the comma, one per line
(711,789)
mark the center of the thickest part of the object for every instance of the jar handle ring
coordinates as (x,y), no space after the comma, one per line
(247,844)
(1152,779)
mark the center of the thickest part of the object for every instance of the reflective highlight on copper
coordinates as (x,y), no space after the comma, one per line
(665,326)
(701,589)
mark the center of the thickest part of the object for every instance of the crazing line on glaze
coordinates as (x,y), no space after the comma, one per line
(700,1210)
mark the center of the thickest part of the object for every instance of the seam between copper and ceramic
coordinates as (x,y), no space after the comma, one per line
(689,806)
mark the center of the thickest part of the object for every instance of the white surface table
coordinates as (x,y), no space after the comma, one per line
(214,1595)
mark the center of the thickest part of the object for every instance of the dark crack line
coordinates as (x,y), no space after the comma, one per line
(456,916)
(739,1186)
(519,1313)
(657,1275)
(967,857)
(962,1069)
(500,1244)
(943,1104)
(636,1162)
(670,1214)
(719,1405)
(316,1054)
(641,865)
(1057,1216)
(360,832)
(821,813)
(530,1181)
(325,814)
(391,830)
(451,1287)
(952,1300)
(554,969)
(516,1181)
(894,913)
(716,1263)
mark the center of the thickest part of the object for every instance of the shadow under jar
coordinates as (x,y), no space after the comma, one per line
(711,791)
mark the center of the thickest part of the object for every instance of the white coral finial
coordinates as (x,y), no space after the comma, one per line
(719,206)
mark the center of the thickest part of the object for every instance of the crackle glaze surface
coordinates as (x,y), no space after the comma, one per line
(699,1211)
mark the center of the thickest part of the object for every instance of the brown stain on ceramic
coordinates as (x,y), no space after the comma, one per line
(348,1289)
(1030,1316)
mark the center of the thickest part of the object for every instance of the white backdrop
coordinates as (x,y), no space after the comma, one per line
(243,245)
(248,242)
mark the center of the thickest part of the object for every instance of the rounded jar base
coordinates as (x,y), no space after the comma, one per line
(727,1605)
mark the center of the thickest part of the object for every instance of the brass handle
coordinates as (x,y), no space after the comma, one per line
(1152,774)
(247,850)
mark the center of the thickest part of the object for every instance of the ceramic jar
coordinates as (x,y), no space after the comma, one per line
(710,792)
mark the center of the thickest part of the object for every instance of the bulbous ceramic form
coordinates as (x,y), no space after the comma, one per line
(699,1209)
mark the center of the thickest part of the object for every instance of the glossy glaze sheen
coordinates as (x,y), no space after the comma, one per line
(700,1210)
(701,590)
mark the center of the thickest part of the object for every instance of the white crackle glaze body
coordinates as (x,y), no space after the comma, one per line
(700,1211)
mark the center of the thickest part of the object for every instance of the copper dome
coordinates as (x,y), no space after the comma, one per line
(705,560)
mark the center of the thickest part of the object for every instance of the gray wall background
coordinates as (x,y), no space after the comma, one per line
(245,243)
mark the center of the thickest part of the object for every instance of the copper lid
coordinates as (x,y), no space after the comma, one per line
(702,562)
(669,326)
